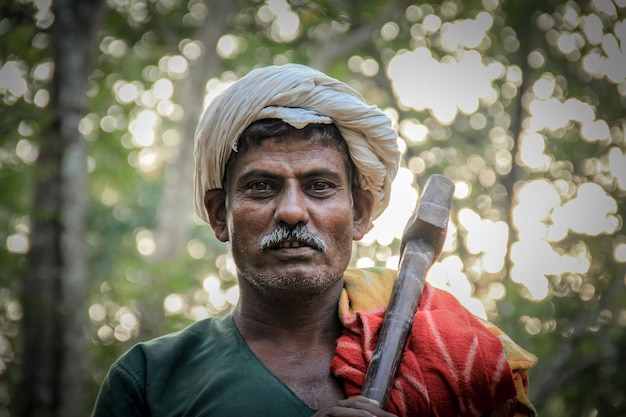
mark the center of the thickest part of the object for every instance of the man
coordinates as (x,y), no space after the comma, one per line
(291,167)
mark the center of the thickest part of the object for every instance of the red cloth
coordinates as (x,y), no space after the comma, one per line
(452,364)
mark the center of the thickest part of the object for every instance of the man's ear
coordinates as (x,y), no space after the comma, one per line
(363,202)
(215,204)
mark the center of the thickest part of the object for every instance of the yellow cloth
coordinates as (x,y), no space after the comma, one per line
(370,289)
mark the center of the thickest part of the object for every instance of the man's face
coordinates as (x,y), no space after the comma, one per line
(284,184)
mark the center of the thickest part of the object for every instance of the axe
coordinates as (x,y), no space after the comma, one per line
(421,245)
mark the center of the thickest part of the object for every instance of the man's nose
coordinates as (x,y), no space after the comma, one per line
(291,206)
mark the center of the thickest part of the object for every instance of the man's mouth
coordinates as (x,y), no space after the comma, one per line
(293,244)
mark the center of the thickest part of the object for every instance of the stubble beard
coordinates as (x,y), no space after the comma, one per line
(300,286)
(284,288)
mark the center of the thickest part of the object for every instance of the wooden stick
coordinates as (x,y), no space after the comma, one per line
(422,242)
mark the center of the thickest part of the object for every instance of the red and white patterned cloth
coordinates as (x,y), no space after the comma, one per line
(454,364)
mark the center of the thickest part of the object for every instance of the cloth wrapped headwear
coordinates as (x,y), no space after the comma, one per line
(298,95)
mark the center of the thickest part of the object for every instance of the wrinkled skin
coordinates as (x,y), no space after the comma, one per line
(289,288)
(354,407)
(290,182)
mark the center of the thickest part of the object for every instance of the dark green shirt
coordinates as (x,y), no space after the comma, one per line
(206,370)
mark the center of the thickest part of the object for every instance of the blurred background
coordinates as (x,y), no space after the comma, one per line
(521,103)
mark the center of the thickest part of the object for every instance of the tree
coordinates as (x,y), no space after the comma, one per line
(54,288)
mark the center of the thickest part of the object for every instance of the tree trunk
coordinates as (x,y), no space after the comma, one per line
(175,206)
(54,289)
(176,200)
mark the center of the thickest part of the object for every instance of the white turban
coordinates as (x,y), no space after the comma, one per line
(298,95)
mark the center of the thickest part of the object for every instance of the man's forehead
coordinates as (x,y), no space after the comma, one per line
(305,151)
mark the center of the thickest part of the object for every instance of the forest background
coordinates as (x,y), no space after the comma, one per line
(520,103)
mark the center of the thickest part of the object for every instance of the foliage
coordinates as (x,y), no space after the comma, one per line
(564,54)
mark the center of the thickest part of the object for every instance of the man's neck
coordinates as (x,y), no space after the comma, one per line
(296,341)
(288,319)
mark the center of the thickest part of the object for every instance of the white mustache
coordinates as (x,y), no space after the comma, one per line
(297,235)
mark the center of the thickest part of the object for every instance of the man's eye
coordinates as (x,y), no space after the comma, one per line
(320,186)
(259,186)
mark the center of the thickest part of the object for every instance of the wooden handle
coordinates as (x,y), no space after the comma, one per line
(422,242)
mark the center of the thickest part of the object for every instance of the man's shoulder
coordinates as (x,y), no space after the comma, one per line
(199,330)
(198,336)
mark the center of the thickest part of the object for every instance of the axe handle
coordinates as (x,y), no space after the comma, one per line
(416,260)
(422,242)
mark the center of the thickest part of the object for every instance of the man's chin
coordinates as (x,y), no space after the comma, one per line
(292,281)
